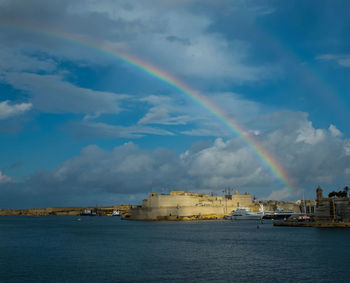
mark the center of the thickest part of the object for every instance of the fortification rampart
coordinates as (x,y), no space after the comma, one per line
(183,205)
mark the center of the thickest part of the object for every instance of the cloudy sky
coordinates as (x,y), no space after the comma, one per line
(81,127)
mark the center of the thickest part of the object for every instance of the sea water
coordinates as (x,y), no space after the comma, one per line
(107,249)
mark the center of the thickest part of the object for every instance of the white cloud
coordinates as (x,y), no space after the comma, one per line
(347,147)
(102,130)
(159,115)
(9,110)
(211,131)
(167,110)
(334,131)
(342,59)
(310,135)
(307,154)
(4,178)
(223,164)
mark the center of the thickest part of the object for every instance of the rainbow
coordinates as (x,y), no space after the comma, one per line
(266,157)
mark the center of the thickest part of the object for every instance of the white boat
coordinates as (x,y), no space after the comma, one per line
(116,213)
(243,213)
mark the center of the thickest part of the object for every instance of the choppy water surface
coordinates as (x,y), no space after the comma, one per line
(106,249)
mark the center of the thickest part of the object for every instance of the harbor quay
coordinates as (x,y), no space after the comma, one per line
(332,211)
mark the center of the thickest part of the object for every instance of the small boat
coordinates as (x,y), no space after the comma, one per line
(89,212)
(116,213)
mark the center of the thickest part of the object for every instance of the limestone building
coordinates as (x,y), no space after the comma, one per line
(333,209)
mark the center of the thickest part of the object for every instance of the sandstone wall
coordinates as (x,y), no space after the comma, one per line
(182,205)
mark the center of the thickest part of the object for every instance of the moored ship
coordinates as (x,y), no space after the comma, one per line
(279,213)
(243,213)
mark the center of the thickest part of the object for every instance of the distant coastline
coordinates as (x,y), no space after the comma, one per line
(61,211)
(178,205)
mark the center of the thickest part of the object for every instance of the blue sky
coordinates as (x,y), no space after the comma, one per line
(78,127)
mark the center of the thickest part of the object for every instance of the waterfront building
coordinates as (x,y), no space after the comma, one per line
(334,208)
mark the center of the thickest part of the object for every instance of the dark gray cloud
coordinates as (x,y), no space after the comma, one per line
(309,155)
(177,35)
(173,38)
